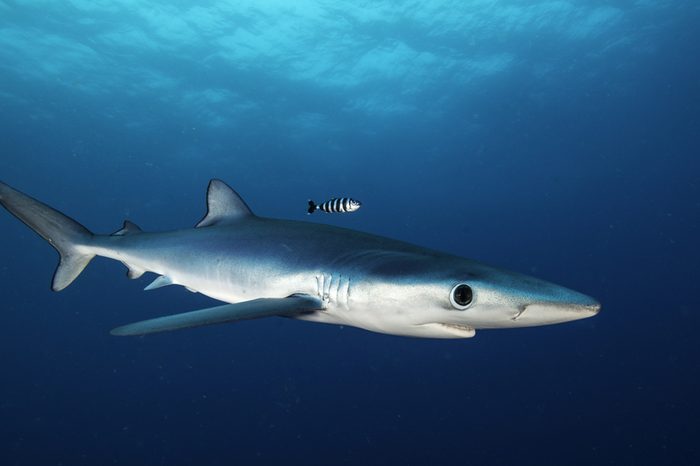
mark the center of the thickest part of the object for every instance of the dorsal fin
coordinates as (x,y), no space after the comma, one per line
(224,205)
(129,228)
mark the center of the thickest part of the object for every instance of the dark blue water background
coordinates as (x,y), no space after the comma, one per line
(558,139)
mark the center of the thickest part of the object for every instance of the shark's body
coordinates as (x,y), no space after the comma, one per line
(266,267)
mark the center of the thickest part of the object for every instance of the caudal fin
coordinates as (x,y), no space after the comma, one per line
(312,207)
(67,236)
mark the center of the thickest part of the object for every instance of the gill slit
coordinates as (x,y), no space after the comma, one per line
(333,289)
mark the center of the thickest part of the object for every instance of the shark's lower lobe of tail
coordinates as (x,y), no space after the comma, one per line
(68,237)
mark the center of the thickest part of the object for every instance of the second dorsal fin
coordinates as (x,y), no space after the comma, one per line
(129,228)
(224,205)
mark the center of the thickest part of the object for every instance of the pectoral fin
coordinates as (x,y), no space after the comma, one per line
(255,309)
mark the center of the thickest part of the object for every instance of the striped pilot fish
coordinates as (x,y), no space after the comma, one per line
(341,204)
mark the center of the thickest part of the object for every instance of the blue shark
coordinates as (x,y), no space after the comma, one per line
(263,267)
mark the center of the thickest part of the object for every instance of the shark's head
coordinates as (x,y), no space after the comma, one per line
(492,298)
(450,297)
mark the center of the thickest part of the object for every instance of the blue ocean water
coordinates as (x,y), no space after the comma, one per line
(555,138)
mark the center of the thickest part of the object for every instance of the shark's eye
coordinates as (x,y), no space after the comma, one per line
(461,296)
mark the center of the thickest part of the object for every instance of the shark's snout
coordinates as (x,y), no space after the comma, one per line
(578,306)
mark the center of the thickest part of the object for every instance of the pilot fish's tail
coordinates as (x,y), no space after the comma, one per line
(68,237)
(312,207)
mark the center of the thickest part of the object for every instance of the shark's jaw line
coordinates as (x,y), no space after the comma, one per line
(266,267)
(457,331)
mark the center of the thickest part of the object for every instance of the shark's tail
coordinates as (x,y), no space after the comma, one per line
(68,237)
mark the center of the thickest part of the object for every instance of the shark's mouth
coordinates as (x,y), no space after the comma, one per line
(464,330)
(442,330)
